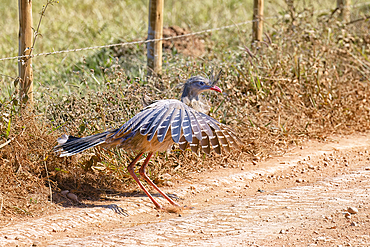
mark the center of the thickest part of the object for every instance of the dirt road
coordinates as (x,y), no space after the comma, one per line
(299,199)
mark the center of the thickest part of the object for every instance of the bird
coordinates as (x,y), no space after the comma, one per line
(157,127)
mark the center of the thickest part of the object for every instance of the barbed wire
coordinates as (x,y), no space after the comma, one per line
(154,40)
(129,43)
(137,42)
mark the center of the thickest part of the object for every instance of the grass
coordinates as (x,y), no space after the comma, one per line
(309,82)
(72,24)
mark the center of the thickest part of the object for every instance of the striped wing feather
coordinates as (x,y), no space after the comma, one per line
(206,147)
(176,125)
(203,123)
(145,126)
(144,121)
(223,141)
(133,123)
(215,144)
(163,120)
(218,140)
(147,129)
(183,143)
(187,128)
(231,137)
(195,126)
(165,125)
(194,145)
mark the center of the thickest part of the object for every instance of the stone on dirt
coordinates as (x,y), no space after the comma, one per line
(352,210)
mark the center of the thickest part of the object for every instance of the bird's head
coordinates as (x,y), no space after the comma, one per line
(197,85)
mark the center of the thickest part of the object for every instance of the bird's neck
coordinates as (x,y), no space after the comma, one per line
(188,95)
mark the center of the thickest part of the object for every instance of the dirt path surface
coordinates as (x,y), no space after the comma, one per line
(298,199)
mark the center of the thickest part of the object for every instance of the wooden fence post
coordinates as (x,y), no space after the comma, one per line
(345,11)
(25,44)
(155,31)
(257,26)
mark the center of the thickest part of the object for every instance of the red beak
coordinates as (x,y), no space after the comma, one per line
(215,88)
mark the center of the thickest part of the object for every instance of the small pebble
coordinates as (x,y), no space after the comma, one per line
(166,176)
(354,224)
(64,192)
(168,183)
(321,239)
(352,210)
(299,180)
(347,215)
(73,197)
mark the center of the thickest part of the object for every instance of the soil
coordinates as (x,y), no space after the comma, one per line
(316,194)
(190,45)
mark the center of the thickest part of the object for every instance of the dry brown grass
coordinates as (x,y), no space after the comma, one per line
(310,81)
(23,181)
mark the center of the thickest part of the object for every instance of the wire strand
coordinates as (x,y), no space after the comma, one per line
(129,43)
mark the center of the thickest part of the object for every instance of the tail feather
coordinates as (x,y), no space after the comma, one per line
(70,145)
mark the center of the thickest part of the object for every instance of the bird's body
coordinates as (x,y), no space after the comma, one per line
(157,127)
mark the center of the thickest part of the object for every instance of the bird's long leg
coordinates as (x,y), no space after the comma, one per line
(143,174)
(130,169)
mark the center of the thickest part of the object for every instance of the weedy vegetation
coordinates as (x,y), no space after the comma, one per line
(308,79)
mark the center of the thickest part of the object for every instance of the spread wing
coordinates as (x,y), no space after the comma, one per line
(186,125)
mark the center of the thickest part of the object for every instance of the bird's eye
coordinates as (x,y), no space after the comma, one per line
(201,83)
